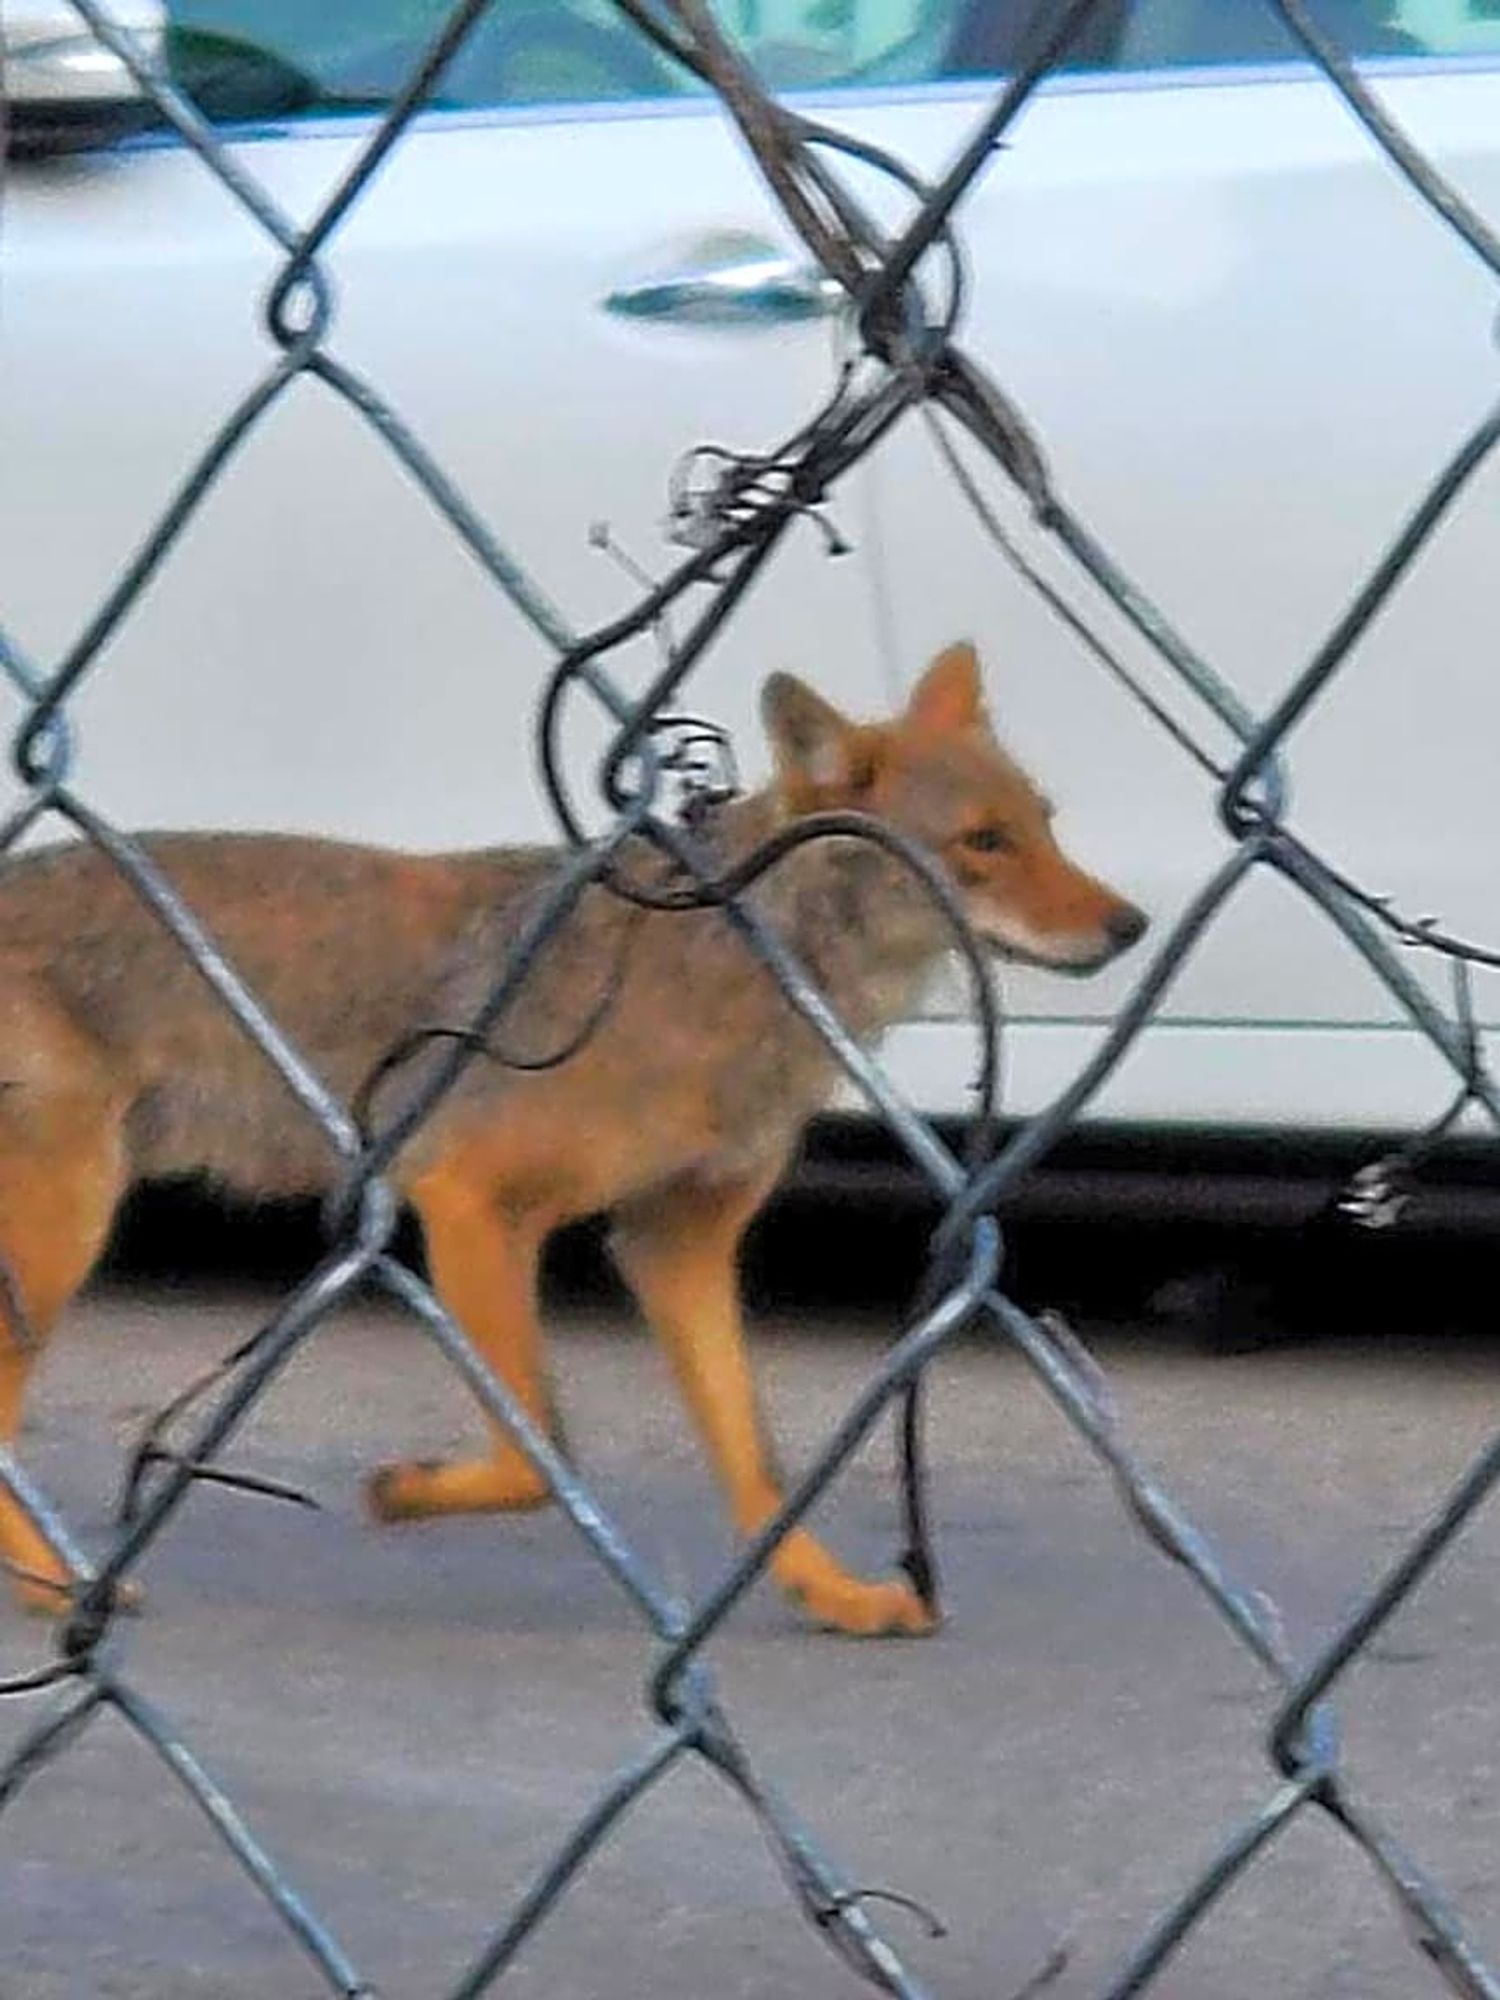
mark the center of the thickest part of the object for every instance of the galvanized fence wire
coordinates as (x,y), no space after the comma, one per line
(907,291)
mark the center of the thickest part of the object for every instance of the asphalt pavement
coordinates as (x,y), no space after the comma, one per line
(413,1717)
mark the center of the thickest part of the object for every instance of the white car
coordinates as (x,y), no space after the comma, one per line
(1243,341)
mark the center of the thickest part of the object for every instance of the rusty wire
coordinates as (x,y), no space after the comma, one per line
(911,360)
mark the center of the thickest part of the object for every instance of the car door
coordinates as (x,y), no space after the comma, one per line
(1243,344)
(565,277)
(1247,348)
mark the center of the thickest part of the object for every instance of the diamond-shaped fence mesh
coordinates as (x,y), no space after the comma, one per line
(906,293)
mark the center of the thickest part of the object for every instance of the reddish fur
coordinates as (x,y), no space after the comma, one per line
(116,1064)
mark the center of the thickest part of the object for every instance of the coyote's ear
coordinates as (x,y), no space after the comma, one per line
(814,744)
(950,695)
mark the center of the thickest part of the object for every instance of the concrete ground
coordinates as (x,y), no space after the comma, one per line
(412,1718)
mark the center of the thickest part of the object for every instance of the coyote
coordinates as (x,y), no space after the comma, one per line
(676,1116)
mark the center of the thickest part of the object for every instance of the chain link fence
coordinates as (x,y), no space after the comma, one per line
(906,289)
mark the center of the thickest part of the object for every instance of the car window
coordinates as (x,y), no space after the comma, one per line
(274,58)
(242,58)
(1208,32)
(270,58)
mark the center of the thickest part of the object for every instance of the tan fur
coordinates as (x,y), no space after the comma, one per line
(118,1065)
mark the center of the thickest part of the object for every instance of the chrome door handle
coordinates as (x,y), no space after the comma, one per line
(734,279)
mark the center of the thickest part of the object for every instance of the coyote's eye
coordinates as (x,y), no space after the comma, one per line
(988,840)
